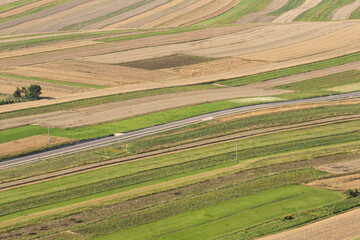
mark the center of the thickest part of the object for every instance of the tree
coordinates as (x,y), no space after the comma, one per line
(33,92)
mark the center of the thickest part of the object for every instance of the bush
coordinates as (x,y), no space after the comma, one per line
(352,193)
(287,217)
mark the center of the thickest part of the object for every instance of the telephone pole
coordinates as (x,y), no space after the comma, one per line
(237,160)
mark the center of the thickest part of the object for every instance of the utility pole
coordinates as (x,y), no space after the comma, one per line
(237,160)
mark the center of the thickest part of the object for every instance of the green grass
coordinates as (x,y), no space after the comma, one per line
(35,10)
(168,139)
(292,70)
(84,85)
(323,11)
(150,34)
(52,39)
(244,8)
(13,5)
(320,86)
(189,162)
(291,4)
(102,100)
(355,14)
(232,215)
(300,218)
(20,132)
(80,25)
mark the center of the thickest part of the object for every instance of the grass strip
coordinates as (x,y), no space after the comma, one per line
(196,202)
(291,4)
(35,10)
(169,139)
(299,219)
(323,11)
(245,7)
(80,25)
(150,34)
(167,171)
(52,39)
(102,100)
(292,70)
(16,4)
(84,85)
(355,14)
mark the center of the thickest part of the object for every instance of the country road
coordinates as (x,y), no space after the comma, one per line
(91,144)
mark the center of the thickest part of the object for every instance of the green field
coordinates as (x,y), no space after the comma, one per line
(292,70)
(323,11)
(226,217)
(355,14)
(291,4)
(13,5)
(245,7)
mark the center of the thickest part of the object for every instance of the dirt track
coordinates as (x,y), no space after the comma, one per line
(345,12)
(289,16)
(262,16)
(343,226)
(342,183)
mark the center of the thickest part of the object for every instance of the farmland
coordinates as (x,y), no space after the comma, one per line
(144,82)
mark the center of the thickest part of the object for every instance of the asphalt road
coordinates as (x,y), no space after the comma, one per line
(86,145)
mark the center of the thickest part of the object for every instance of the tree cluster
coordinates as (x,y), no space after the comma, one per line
(31,93)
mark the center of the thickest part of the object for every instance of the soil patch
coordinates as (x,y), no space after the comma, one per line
(345,12)
(341,167)
(176,60)
(342,183)
(29,144)
(343,226)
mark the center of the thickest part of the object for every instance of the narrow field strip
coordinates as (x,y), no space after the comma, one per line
(323,11)
(292,70)
(355,14)
(346,11)
(15,4)
(292,14)
(291,4)
(24,8)
(245,7)
(84,85)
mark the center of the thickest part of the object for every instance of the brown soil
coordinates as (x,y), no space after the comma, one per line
(167,62)
(342,183)
(289,16)
(341,167)
(343,226)
(345,12)
(29,144)
(90,73)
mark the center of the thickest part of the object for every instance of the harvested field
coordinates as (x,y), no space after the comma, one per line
(341,167)
(130,108)
(47,48)
(29,144)
(343,226)
(346,88)
(257,39)
(342,183)
(24,8)
(83,14)
(294,13)
(262,16)
(91,73)
(345,12)
(167,62)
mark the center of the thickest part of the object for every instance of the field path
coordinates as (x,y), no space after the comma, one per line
(345,12)
(262,16)
(294,13)
(343,226)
